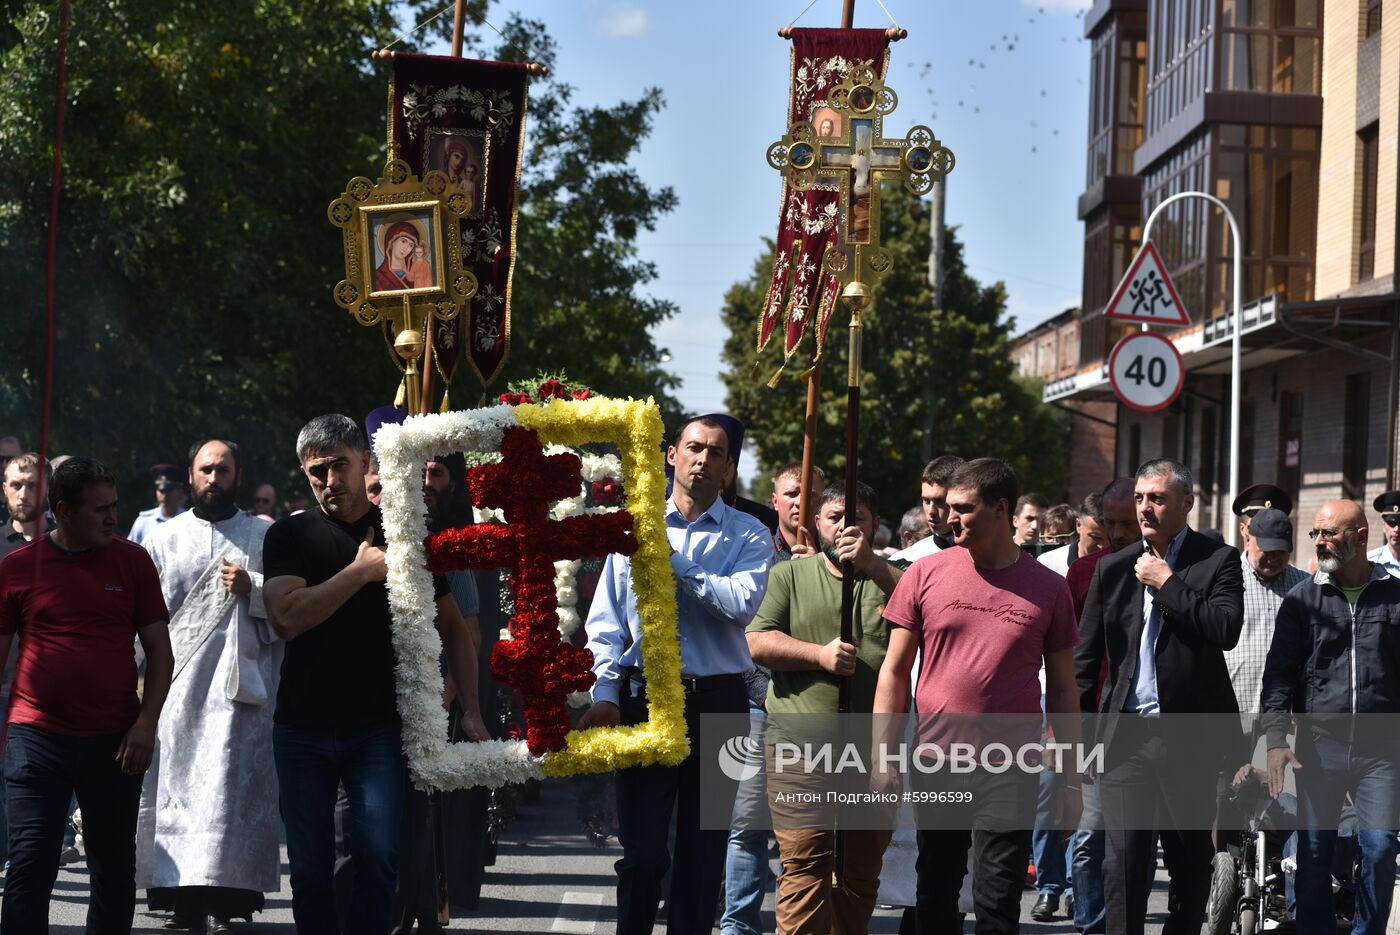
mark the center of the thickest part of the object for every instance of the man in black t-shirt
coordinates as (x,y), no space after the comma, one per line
(337,720)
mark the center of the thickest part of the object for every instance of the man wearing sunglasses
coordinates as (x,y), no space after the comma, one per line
(1387,554)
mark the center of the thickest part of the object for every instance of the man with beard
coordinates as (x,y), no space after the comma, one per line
(21,481)
(797,634)
(208,832)
(1333,653)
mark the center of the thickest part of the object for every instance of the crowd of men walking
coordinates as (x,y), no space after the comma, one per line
(264,691)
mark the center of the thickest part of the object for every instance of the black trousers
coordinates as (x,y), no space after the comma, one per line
(1157,778)
(43,771)
(997,827)
(647,798)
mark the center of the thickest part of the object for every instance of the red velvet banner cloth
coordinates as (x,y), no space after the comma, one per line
(467,118)
(809,222)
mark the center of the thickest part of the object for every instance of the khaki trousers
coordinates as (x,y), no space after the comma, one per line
(809,902)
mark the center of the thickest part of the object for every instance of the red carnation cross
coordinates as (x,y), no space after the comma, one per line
(536,661)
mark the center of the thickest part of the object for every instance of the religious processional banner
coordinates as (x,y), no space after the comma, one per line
(809,222)
(466,118)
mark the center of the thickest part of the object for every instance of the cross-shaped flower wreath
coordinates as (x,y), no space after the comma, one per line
(535,661)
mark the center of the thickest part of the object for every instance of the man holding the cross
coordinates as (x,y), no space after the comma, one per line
(336,719)
(721,559)
(796,634)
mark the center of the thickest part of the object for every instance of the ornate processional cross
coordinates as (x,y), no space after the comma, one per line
(847,150)
(536,661)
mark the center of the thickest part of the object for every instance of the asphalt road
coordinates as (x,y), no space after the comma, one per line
(547,879)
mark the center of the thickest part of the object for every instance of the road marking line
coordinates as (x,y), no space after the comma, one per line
(578,913)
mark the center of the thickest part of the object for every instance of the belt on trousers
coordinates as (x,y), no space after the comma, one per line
(693,683)
(705,683)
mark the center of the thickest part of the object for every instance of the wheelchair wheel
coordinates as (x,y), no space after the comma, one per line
(1249,921)
(1224,895)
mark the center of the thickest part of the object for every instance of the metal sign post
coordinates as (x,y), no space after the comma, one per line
(1238,243)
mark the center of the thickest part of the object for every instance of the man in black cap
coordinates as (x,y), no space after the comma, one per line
(1267,545)
(1258,497)
(1387,554)
(171,496)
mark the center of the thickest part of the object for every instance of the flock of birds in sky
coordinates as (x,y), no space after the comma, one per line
(967,100)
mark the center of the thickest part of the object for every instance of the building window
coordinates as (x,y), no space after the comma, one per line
(1134,448)
(1180,231)
(1179,60)
(1128,103)
(1368,142)
(1356,437)
(1271,45)
(1373,18)
(1268,177)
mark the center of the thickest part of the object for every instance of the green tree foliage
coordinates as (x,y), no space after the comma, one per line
(203,142)
(934,381)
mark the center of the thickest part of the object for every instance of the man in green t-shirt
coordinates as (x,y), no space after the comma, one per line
(796,634)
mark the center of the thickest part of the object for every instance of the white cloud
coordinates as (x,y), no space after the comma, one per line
(1058,6)
(624,21)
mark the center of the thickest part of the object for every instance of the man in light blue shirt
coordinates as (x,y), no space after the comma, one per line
(721,559)
(1387,554)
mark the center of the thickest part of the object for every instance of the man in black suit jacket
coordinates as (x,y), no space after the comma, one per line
(1163,612)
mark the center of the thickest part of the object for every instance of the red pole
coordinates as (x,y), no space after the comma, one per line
(51,263)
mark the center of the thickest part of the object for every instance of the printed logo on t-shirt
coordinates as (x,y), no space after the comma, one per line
(112,587)
(1005,611)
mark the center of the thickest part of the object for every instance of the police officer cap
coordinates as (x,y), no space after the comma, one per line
(1388,503)
(1262,497)
(167,476)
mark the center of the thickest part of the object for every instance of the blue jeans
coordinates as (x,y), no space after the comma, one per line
(43,771)
(1050,851)
(1330,769)
(746,872)
(1087,867)
(310,763)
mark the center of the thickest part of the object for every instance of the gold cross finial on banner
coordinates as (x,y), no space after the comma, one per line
(846,149)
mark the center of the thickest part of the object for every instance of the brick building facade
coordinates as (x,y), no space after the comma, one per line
(1289,113)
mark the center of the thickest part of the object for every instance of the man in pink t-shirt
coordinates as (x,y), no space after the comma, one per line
(982,617)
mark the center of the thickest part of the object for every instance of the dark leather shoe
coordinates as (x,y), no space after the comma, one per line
(182,923)
(216,926)
(1045,907)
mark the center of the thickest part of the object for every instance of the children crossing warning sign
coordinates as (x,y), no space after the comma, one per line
(1147,293)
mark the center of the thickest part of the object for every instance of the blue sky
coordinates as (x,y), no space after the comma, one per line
(1001,82)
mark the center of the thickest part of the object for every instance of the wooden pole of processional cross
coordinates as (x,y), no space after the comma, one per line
(857,296)
(458,25)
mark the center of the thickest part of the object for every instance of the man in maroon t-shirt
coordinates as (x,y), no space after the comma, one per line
(76,597)
(983,617)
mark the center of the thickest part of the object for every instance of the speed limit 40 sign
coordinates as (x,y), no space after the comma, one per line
(1146,371)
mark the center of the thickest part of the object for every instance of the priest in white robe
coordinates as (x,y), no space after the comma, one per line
(209,828)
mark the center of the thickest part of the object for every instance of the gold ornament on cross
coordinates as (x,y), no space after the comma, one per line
(854,157)
(403,258)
